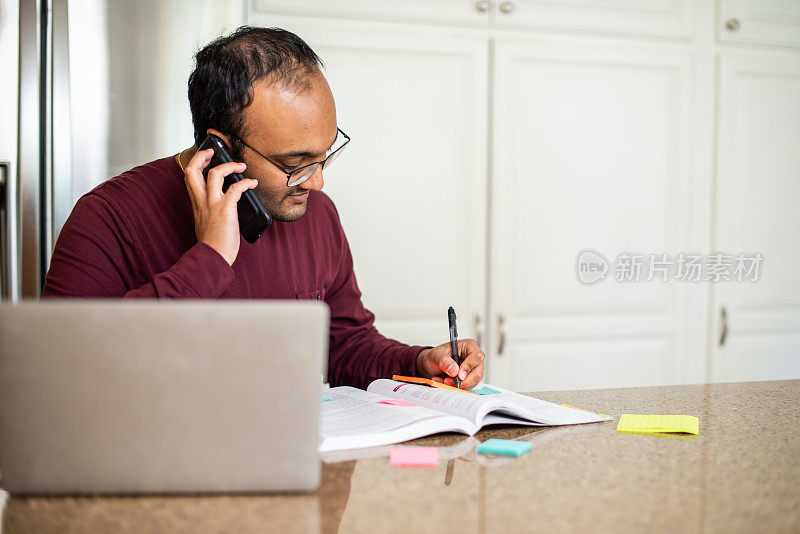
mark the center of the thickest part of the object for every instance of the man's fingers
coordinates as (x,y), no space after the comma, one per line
(200,160)
(470,371)
(471,362)
(216,178)
(447,380)
(194,175)
(236,190)
(471,356)
(441,366)
(474,376)
(448,365)
(214,212)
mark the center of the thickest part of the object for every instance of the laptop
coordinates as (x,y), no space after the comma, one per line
(118,397)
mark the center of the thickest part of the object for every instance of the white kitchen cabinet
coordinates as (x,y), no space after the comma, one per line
(763,22)
(757,190)
(664,18)
(411,187)
(592,147)
(486,157)
(443,12)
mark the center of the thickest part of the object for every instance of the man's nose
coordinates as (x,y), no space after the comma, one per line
(315,182)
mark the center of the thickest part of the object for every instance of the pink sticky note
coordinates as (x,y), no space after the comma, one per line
(414,457)
(397,402)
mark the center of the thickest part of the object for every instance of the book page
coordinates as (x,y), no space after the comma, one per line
(476,407)
(354,411)
(451,402)
(354,418)
(545,412)
(495,418)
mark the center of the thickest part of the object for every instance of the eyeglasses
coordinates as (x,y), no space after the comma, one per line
(301,174)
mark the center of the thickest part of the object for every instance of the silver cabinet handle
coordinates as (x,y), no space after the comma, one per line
(502,345)
(476,324)
(5,233)
(732,25)
(4,171)
(482,6)
(507,7)
(723,334)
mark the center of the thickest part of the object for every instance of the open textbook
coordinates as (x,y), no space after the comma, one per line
(353,418)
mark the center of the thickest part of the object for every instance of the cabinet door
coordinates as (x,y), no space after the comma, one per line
(411,188)
(770,22)
(757,190)
(448,12)
(592,151)
(668,18)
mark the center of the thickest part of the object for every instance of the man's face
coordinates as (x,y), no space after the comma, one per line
(292,127)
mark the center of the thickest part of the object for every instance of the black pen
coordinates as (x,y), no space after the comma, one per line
(451,319)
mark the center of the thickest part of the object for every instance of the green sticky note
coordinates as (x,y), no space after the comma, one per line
(686,424)
(504,446)
(323,398)
(485,390)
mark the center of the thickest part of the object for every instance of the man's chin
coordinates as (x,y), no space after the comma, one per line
(287,210)
(289,213)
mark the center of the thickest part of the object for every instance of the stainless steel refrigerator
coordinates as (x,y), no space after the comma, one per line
(94,87)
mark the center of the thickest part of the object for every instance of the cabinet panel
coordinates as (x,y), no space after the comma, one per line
(447,12)
(771,22)
(411,188)
(592,148)
(757,188)
(578,363)
(669,18)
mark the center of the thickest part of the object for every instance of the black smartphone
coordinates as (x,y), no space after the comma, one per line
(253,217)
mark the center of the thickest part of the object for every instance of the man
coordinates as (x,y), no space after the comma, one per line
(161,231)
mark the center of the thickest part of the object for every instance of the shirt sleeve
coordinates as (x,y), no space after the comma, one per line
(95,257)
(359,354)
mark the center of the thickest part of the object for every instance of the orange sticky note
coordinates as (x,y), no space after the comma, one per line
(429,382)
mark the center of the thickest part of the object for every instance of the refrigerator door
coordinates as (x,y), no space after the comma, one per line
(28,198)
(44,136)
(9,86)
(103,89)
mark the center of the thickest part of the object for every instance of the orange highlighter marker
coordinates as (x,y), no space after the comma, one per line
(429,382)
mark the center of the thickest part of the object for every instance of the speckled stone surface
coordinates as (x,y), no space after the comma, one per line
(741,474)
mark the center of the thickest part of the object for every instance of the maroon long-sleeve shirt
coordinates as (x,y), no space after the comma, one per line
(133,237)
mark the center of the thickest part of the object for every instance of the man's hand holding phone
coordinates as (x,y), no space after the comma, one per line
(215,217)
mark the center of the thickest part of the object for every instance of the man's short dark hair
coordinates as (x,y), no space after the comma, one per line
(220,87)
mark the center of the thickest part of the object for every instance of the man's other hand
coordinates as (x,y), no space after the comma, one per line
(437,363)
(216,221)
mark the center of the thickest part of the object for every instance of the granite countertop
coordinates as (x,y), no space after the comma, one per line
(741,474)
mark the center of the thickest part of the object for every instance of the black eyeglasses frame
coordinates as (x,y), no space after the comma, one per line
(294,172)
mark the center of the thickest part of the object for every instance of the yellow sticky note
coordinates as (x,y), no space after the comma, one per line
(687,424)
